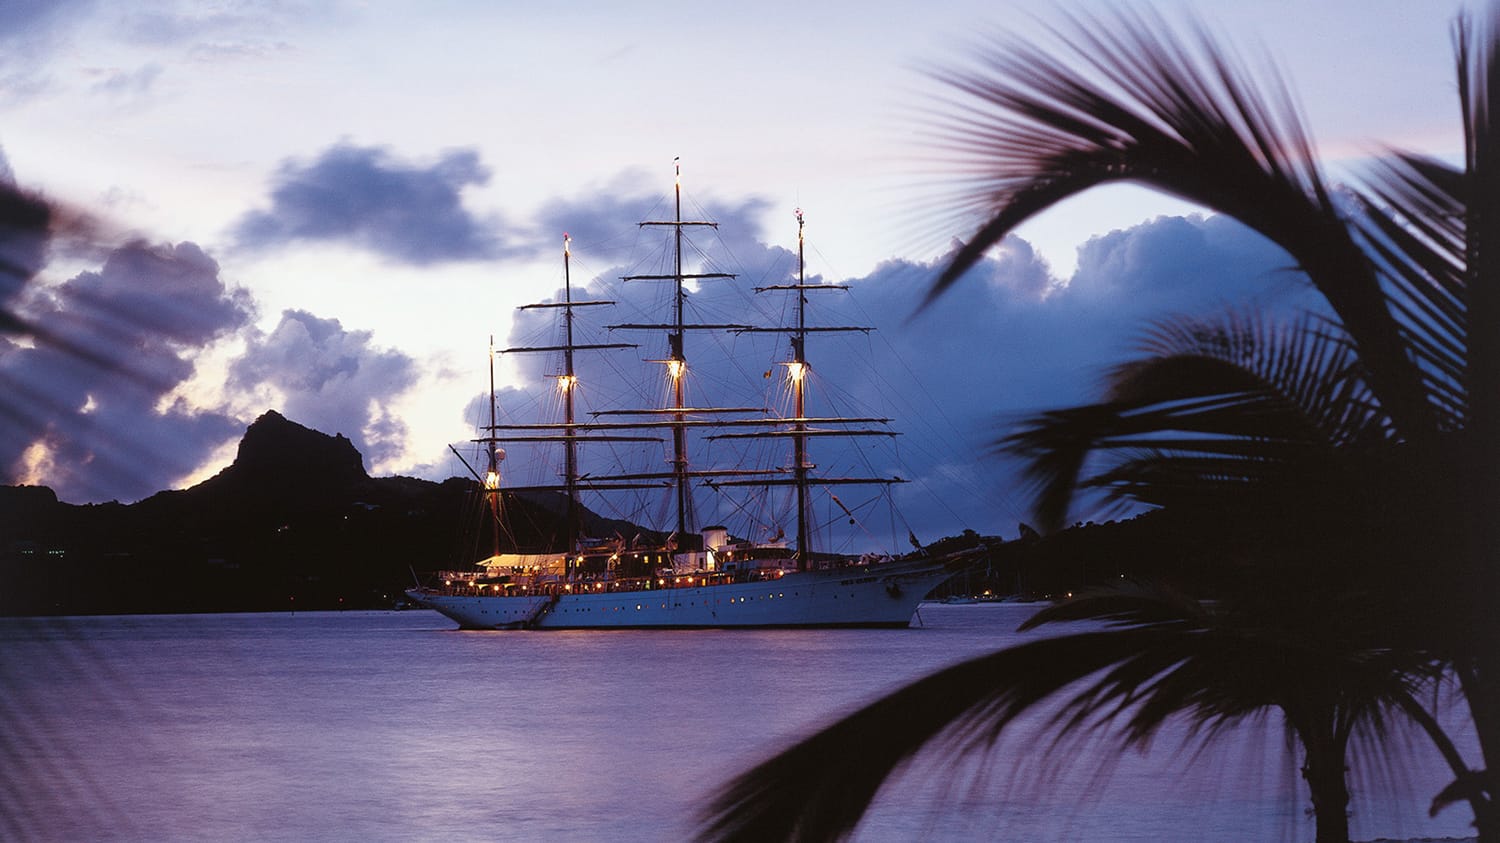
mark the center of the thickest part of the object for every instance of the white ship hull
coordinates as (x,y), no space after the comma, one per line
(880,595)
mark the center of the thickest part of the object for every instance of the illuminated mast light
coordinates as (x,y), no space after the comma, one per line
(796,371)
(566,383)
(676,369)
(492,477)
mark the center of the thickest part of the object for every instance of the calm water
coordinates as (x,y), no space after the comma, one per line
(393,726)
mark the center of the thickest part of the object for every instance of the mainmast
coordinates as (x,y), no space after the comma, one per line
(676,360)
(796,370)
(492,474)
(565,384)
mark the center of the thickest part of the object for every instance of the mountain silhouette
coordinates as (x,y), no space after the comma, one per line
(294,522)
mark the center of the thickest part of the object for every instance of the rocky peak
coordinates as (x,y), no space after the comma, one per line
(276,449)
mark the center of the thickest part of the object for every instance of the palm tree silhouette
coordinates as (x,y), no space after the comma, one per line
(1353,460)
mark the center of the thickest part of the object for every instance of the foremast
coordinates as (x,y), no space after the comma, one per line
(569,432)
(799,428)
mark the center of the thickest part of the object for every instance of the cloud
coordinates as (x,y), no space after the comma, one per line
(24,223)
(1020,270)
(1184,262)
(30,20)
(330,379)
(365,197)
(31,31)
(88,408)
(1007,340)
(233,30)
(128,83)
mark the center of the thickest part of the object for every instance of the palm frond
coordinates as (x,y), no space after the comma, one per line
(1414,226)
(1479,91)
(1123,100)
(1139,676)
(818,789)
(1215,407)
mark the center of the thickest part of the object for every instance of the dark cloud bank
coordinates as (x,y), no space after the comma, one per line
(89,366)
(121,339)
(366,197)
(1010,338)
(954,372)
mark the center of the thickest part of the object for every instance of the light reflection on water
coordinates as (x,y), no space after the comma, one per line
(392,726)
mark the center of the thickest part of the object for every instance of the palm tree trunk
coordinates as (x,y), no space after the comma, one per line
(1325,774)
(1483,693)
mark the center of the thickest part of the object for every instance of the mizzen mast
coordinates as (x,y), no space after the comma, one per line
(801,428)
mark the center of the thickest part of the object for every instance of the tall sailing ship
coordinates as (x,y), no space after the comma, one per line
(691,577)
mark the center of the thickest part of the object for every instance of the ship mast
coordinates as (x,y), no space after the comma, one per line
(676,360)
(492,474)
(800,424)
(569,431)
(677,365)
(565,384)
(796,371)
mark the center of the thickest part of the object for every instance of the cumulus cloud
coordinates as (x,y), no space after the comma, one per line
(1009,339)
(366,197)
(1019,270)
(331,379)
(88,408)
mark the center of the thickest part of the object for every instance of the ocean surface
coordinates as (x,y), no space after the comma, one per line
(395,726)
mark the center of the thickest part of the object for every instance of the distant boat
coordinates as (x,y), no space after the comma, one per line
(691,577)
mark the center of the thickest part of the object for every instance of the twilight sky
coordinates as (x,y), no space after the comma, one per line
(326,208)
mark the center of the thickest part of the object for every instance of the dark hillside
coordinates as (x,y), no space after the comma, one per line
(294,522)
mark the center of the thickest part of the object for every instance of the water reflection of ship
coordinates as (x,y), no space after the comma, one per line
(691,577)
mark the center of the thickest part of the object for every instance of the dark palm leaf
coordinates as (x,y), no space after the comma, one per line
(819,789)
(1171,659)
(1213,405)
(1414,225)
(1119,102)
